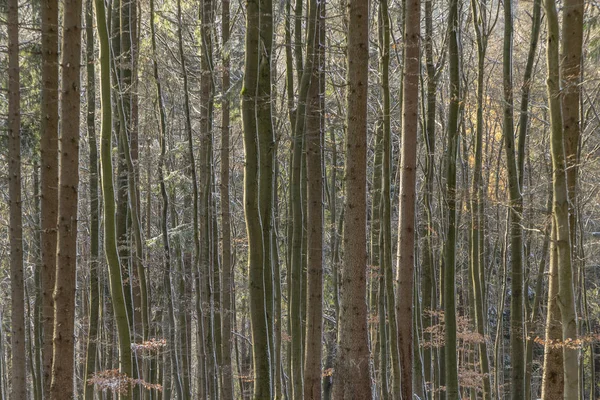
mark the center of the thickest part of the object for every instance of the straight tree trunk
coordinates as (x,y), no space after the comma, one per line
(49,177)
(560,211)
(226,289)
(517,356)
(17,285)
(571,78)
(193,175)
(408,175)
(110,238)
(552,377)
(259,324)
(314,218)
(205,194)
(449,285)
(477,202)
(63,370)
(267,157)
(352,380)
(94,298)
(297,198)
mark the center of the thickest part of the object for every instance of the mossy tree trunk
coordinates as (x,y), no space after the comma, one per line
(106,166)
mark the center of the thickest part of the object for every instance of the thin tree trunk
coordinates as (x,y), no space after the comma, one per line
(110,239)
(17,289)
(94,298)
(408,167)
(450,350)
(477,202)
(226,289)
(517,357)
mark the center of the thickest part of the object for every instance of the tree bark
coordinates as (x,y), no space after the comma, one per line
(408,170)
(314,218)
(259,324)
(226,289)
(517,356)
(352,380)
(61,386)
(449,285)
(94,297)
(49,177)
(560,211)
(17,288)
(110,238)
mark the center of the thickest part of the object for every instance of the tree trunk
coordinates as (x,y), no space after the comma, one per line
(66,259)
(408,170)
(560,212)
(314,219)
(17,289)
(517,357)
(110,238)
(477,202)
(94,299)
(450,350)
(49,176)
(352,380)
(259,324)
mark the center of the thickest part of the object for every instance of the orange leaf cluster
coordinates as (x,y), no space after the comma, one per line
(116,382)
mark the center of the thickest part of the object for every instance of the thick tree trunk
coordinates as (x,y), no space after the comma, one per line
(259,324)
(66,260)
(49,177)
(560,211)
(408,174)
(352,380)
(314,219)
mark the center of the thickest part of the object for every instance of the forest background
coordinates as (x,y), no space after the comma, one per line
(299,199)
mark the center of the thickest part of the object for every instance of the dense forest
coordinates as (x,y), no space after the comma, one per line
(299,199)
